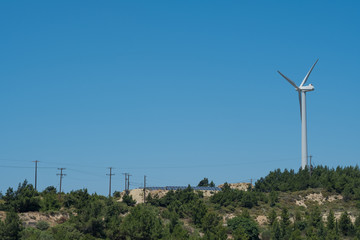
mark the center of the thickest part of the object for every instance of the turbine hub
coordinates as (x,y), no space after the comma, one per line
(307,88)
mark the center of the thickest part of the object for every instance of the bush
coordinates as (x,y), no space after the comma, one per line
(247,224)
(128,200)
(116,194)
(67,231)
(205,183)
(142,223)
(11,228)
(42,225)
(77,199)
(345,225)
(235,197)
(24,199)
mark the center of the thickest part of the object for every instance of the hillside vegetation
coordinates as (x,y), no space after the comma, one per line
(282,205)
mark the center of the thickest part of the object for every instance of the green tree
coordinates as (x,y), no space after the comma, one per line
(112,218)
(50,201)
(299,222)
(296,235)
(24,199)
(357,221)
(321,231)
(42,225)
(142,223)
(198,212)
(285,222)
(128,200)
(49,189)
(272,217)
(204,183)
(11,228)
(210,222)
(35,234)
(274,198)
(77,199)
(90,219)
(315,217)
(345,224)
(67,231)
(276,231)
(250,227)
(330,220)
(30,234)
(240,234)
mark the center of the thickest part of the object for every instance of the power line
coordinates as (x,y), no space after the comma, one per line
(9,166)
(86,173)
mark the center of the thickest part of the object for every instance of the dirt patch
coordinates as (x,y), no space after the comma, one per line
(159,193)
(239,186)
(2,215)
(262,220)
(333,198)
(315,197)
(301,203)
(337,216)
(30,219)
(228,216)
(318,198)
(208,193)
(138,194)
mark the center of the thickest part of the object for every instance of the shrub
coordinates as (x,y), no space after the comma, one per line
(42,225)
(248,225)
(128,200)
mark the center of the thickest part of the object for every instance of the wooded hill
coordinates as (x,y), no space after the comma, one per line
(282,205)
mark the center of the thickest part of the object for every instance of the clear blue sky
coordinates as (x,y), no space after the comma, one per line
(175,90)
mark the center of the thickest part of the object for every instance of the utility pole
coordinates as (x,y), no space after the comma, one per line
(36,161)
(144,188)
(310,167)
(126,181)
(61,176)
(110,174)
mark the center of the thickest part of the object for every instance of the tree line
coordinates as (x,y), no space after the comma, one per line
(187,214)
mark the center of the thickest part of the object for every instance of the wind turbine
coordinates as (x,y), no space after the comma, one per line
(302,100)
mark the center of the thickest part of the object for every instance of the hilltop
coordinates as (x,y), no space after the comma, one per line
(282,205)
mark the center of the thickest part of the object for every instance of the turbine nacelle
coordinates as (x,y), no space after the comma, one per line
(307,88)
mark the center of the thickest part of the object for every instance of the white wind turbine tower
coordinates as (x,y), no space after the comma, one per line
(302,100)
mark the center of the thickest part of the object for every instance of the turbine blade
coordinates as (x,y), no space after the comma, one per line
(308,74)
(288,79)
(300,104)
